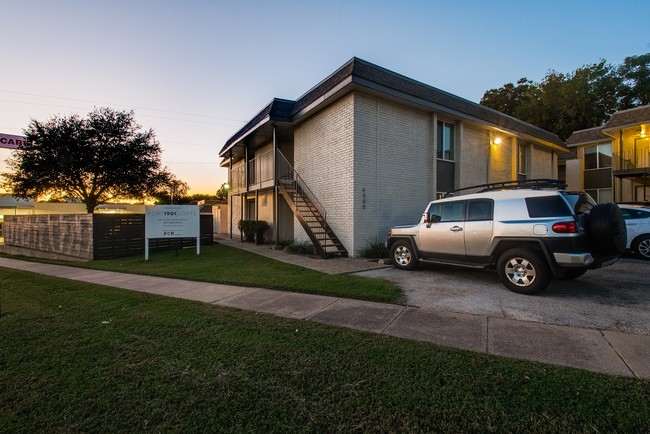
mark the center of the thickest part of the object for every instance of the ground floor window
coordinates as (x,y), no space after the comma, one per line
(601,195)
(523,160)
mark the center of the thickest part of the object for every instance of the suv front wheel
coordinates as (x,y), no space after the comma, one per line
(523,271)
(403,255)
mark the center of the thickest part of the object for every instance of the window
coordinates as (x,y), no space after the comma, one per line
(598,156)
(445,141)
(447,212)
(522,159)
(547,206)
(601,195)
(479,210)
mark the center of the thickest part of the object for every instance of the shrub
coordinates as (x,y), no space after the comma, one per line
(302,248)
(374,250)
(253,230)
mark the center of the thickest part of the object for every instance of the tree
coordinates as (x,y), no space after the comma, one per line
(222,192)
(104,156)
(635,72)
(585,98)
(171,191)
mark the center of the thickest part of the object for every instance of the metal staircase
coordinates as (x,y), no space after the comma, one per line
(309,212)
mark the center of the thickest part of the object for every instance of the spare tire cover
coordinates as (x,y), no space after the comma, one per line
(607,231)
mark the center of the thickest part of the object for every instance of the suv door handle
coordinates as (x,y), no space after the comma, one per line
(456,229)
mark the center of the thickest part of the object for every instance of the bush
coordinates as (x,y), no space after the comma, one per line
(302,248)
(253,230)
(374,250)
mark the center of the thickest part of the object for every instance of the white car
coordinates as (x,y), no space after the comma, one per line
(637,221)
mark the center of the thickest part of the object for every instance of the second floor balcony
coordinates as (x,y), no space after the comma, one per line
(257,174)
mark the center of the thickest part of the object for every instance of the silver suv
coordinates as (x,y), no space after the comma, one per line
(529,235)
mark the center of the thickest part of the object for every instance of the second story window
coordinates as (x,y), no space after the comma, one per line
(598,156)
(446,141)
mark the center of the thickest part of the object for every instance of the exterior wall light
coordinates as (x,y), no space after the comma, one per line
(497,140)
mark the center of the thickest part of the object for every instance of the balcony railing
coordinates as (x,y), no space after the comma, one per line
(238,180)
(260,169)
(633,160)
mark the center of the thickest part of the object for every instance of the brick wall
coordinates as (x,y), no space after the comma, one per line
(502,160)
(393,165)
(323,157)
(63,234)
(473,166)
(235,207)
(542,163)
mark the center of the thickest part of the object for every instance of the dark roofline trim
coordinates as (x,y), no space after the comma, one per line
(622,127)
(363,72)
(266,114)
(446,110)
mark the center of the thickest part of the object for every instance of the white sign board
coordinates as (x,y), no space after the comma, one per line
(171,221)
(10,141)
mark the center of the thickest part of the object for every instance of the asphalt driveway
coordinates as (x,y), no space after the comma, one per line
(613,298)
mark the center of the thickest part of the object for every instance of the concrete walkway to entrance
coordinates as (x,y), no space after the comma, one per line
(606,352)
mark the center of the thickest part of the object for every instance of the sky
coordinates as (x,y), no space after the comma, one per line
(195,71)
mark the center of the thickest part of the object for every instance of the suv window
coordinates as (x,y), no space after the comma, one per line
(547,206)
(447,211)
(581,202)
(479,210)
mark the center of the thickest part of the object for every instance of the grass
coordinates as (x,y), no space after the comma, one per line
(224,264)
(76,357)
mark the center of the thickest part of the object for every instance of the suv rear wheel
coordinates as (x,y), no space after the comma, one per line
(403,255)
(523,271)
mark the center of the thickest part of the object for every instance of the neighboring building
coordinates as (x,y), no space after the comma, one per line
(367,149)
(612,162)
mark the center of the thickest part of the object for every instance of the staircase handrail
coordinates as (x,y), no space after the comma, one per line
(286,173)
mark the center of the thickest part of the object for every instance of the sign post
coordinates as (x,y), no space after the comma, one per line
(171,221)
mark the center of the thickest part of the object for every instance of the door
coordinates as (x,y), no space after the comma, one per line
(251,213)
(444,234)
(478,228)
(643,193)
(642,152)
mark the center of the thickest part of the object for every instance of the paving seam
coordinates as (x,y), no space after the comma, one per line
(618,354)
(308,317)
(246,289)
(394,319)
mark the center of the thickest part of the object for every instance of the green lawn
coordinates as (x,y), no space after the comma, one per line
(76,357)
(223,264)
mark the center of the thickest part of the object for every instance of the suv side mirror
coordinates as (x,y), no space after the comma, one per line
(429,219)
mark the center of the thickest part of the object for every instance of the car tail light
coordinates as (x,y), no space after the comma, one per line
(565,227)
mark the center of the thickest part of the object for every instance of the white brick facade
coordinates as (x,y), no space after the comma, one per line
(324,157)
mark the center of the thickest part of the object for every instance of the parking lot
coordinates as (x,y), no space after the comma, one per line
(613,298)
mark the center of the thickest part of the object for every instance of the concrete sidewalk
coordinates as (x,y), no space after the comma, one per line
(606,352)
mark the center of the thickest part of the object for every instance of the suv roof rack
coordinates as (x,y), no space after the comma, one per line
(533,184)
